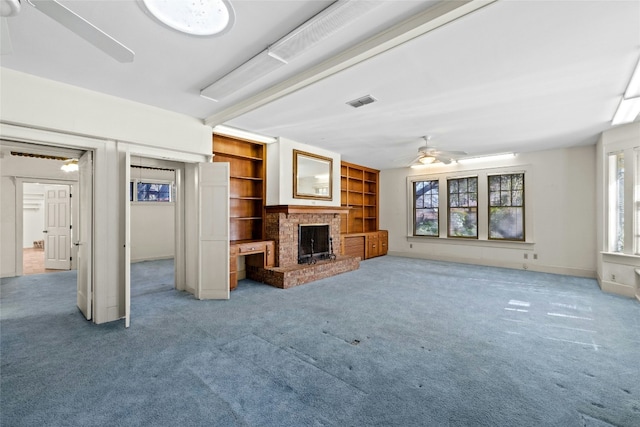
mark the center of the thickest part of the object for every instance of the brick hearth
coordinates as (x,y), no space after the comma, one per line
(281,225)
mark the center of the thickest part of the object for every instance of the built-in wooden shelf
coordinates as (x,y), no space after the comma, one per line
(247,162)
(359,192)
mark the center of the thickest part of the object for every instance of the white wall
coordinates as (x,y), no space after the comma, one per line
(280,174)
(43,111)
(561,200)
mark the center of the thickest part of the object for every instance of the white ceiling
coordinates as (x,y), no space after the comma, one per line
(512,76)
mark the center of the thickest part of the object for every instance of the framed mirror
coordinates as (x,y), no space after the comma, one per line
(312,176)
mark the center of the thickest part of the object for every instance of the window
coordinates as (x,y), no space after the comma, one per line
(506,207)
(616,202)
(425,195)
(463,207)
(150,191)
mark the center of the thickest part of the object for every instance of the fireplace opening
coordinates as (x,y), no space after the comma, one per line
(314,243)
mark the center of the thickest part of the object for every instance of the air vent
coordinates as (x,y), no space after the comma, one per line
(357,103)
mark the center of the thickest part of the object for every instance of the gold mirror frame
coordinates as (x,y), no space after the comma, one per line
(312,176)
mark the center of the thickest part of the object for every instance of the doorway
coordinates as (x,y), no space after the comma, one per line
(153,204)
(47,227)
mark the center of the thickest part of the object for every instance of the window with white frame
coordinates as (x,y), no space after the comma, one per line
(463,207)
(616,202)
(150,191)
(426,212)
(483,205)
(506,207)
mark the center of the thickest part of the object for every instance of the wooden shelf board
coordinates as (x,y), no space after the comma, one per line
(246,218)
(251,178)
(237,156)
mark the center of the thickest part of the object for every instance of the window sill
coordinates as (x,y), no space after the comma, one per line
(620,257)
(472,242)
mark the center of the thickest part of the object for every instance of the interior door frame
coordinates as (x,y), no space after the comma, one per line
(57,142)
(73,184)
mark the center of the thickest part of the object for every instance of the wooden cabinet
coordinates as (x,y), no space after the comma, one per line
(365,245)
(256,253)
(247,160)
(359,191)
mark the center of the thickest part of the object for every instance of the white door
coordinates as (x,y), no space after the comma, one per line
(213,230)
(84,235)
(57,220)
(127,240)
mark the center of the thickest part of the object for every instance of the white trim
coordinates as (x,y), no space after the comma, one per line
(567,271)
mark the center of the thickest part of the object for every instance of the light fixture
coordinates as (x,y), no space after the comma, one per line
(240,133)
(335,17)
(427,160)
(194,17)
(487,158)
(627,111)
(9,7)
(70,165)
(629,106)
(329,21)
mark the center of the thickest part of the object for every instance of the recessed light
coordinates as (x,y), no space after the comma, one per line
(194,17)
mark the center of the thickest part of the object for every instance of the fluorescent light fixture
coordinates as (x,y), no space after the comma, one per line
(338,15)
(487,158)
(197,18)
(70,165)
(323,25)
(633,89)
(240,133)
(258,66)
(627,111)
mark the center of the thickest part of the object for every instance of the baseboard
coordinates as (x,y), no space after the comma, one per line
(567,271)
(617,288)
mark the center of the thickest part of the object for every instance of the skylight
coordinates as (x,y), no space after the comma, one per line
(195,17)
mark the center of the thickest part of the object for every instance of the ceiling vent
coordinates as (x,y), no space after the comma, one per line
(357,103)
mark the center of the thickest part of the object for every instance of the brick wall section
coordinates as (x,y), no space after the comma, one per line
(300,274)
(283,229)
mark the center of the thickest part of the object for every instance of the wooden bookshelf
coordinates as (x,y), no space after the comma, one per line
(359,192)
(247,163)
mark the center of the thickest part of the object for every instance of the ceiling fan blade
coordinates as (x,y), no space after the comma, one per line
(453,153)
(5,40)
(84,29)
(443,159)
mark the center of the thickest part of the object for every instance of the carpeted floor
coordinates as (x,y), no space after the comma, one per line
(400,342)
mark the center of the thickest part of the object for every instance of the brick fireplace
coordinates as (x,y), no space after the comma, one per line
(282,225)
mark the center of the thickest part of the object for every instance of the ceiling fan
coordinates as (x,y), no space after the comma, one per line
(427,155)
(70,20)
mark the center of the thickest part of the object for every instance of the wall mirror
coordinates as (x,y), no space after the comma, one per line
(312,176)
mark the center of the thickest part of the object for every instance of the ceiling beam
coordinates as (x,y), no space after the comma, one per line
(422,23)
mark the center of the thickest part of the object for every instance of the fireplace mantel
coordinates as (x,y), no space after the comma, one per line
(298,209)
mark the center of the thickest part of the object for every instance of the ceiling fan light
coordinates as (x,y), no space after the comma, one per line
(195,17)
(70,165)
(427,160)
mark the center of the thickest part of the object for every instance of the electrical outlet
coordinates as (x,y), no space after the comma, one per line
(613,277)
(526,256)
(535,256)
(410,245)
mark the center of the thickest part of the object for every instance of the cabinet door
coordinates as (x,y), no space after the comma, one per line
(383,236)
(270,256)
(373,245)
